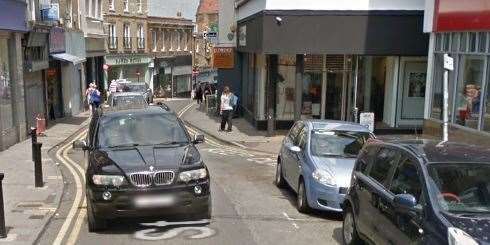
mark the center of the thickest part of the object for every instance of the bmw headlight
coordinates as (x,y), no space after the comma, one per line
(110,180)
(323,177)
(191,156)
(457,236)
(193,175)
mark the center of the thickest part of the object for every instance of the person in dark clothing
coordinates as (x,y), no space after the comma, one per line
(199,93)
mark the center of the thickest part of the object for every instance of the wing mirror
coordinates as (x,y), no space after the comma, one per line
(294,149)
(406,204)
(80,145)
(198,139)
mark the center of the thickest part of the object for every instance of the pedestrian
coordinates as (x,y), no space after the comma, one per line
(88,93)
(95,98)
(113,86)
(199,94)
(226,109)
(207,91)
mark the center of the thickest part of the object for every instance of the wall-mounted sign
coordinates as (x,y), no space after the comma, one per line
(211,36)
(367,119)
(223,58)
(57,40)
(242,36)
(127,60)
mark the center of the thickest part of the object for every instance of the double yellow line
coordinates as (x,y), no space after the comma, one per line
(79,201)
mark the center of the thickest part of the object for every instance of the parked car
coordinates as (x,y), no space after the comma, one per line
(142,88)
(316,160)
(142,163)
(419,192)
(126,99)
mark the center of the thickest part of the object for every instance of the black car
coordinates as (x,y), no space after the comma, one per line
(419,192)
(125,99)
(142,163)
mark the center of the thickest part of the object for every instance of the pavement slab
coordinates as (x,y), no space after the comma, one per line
(29,209)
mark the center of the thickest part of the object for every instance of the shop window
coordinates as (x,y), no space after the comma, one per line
(482,42)
(439,42)
(454,42)
(446,41)
(312,86)
(6,112)
(437,96)
(472,42)
(463,44)
(285,87)
(468,100)
(486,116)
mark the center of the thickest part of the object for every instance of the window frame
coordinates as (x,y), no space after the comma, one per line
(111,5)
(403,159)
(126,6)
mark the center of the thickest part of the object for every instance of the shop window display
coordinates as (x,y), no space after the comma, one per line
(486,116)
(6,115)
(468,98)
(285,87)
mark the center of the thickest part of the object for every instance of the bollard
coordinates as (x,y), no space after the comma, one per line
(33,134)
(38,168)
(3,231)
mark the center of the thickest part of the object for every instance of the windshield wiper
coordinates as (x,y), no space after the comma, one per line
(332,155)
(124,145)
(169,143)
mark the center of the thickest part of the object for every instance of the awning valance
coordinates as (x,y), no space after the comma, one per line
(68,58)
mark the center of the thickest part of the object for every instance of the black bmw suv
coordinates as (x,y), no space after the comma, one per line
(419,192)
(142,163)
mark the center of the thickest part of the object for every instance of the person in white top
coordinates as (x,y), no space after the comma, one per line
(226,109)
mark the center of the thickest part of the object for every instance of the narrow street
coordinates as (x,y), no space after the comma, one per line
(247,207)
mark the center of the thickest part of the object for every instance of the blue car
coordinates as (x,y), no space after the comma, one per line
(316,160)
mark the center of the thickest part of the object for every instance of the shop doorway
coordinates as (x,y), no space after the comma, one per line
(54,93)
(334,96)
(412,88)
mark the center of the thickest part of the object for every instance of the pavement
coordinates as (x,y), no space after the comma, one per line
(243,135)
(28,209)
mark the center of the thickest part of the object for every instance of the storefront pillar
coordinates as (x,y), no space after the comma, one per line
(298,95)
(18,107)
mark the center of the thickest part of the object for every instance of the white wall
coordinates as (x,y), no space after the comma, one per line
(391,89)
(226,21)
(254,6)
(71,88)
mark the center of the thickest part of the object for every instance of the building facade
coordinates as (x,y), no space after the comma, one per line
(171,44)
(95,38)
(463,32)
(171,40)
(127,50)
(206,23)
(330,61)
(12,101)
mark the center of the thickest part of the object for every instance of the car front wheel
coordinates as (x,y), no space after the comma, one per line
(94,223)
(349,231)
(302,200)
(279,176)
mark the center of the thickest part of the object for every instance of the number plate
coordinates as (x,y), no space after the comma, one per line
(154,201)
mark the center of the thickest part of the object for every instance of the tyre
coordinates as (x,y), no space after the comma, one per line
(349,231)
(302,200)
(94,223)
(279,181)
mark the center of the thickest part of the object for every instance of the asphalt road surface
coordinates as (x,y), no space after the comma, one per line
(247,207)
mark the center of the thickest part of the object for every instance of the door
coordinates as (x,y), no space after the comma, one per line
(334,98)
(412,91)
(375,195)
(298,158)
(403,228)
(286,154)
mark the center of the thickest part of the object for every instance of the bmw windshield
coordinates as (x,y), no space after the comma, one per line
(337,143)
(139,130)
(461,188)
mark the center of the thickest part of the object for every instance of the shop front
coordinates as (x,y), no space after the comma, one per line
(132,67)
(329,71)
(95,51)
(465,38)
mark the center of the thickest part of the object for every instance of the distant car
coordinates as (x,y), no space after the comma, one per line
(142,88)
(126,99)
(142,163)
(316,160)
(419,192)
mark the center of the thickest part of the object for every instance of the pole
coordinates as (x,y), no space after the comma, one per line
(3,231)
(38,168)
(355,110)
(33,133)
(445,127)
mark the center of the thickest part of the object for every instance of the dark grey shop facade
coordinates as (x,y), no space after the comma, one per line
(296,64)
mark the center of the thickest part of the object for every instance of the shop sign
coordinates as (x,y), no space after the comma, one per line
(211,37)
(57,40)
(223,58)
(127,60)
(367,119)
(242,36)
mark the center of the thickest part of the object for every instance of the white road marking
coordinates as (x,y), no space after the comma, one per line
(78,187)
(149,234)
(291,219)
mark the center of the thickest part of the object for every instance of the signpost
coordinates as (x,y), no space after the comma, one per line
(367,119)
(448,66)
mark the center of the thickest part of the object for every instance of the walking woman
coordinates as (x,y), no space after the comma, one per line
(226,110)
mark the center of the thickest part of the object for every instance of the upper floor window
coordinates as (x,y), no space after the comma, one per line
(141,37)
(154,40)
(112,36)
(127,36)
(111,4)
(139,6)
(126,5)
